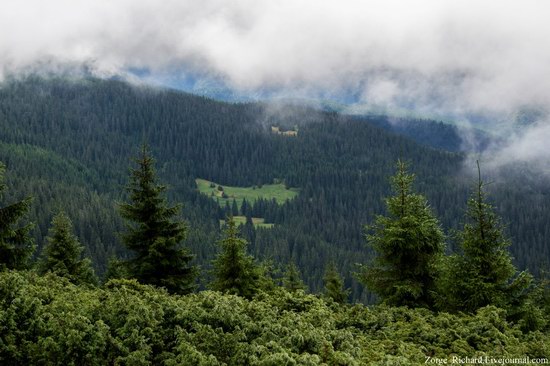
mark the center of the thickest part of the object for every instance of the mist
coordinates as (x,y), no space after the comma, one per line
(477,63)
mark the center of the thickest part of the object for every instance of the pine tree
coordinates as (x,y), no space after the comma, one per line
(248,230)
(292,279)
(483,274)
(154,233)
(334,285)
(234,271)
(16,245)
(408,244)
(62,252)
(234,208)
(245,208)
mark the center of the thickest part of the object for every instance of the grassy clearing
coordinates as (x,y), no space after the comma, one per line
(267,191)
(257,221)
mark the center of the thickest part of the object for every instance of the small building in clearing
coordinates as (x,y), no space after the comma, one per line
(277,130)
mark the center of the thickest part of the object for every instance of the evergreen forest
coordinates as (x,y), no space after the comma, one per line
(394,247)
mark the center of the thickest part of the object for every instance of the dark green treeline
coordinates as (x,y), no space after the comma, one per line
(69,143)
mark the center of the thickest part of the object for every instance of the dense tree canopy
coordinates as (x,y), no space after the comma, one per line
(49,321)
(67,142)
(339,163)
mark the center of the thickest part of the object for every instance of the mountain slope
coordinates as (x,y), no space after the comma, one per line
(69,143)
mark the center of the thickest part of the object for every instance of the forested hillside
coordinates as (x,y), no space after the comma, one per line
(69,143)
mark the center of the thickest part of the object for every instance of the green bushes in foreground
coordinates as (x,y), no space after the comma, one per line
(50,321)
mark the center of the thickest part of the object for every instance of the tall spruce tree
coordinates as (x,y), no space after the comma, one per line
(154,233)
(407,243)
(16,245)
(334,285)
(483,274)
(62,253)
(234,270)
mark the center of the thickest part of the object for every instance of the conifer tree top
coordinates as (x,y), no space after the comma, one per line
(292,279)
(154,232)
(334,285)
(234,270)
(406,242)
(62,253)
(484,273)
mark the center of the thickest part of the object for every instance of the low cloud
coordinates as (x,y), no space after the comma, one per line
(436,57)
(530,145)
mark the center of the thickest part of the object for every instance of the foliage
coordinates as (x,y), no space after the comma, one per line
(153,234)
(55,142)
(234,270)
(483,274)
(334,285)
(62,252)
(16,246)
(48,320)
(537,304)
(407,244)
(116,269)
(292,279)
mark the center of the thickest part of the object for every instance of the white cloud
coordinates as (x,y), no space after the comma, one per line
(440,56)
(529,145)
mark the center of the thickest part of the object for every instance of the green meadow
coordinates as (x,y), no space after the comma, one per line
(267,191)
(257,221)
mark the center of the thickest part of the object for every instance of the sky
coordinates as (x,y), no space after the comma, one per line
(454,59)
